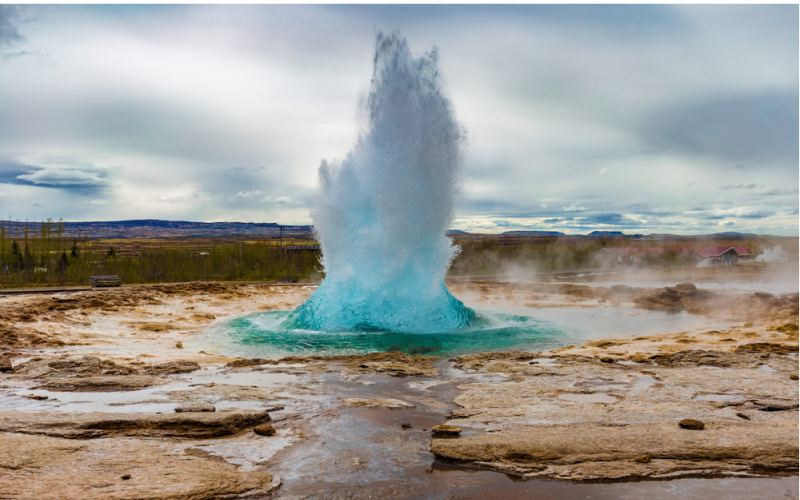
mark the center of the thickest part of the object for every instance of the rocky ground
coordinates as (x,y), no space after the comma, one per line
(99,399)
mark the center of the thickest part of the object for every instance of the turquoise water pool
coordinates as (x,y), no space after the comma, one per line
(271,335)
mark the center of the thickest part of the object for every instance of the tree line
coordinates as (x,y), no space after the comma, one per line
(42,254)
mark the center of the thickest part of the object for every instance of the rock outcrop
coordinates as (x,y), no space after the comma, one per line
(63,366)
(5,364)
(392,404)
(98,425)
(100,383)
(587,452)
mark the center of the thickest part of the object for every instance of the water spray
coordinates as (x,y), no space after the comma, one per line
(383,211)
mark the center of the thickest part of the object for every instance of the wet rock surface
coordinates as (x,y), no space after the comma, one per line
(92,425)
(584,452)
(394,404)
(100,383)
(767,347)
(195,407)
(689,423)
(618,412)
(172,367)
(40,467)
(739,359)
(397,364)
(450,430)
(5,364)
(608,409)
(63,366)
(264,430)
(222,392)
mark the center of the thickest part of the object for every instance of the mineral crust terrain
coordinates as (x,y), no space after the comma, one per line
(99,399)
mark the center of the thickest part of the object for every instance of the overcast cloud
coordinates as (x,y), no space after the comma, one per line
(644,119)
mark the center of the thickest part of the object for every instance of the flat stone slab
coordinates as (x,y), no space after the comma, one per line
(589,451)
(195,407)
(81,366)
(392,404)
(89,425)
(445,429)
(173,367)
(101,383)
(5,364)
(47,468)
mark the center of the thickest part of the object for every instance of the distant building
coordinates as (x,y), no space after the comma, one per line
(725,256)
(716,256)
(293,249)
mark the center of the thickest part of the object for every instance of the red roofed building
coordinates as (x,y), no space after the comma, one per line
(725,255)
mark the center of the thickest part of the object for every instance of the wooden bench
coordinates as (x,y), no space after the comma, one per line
(106,281)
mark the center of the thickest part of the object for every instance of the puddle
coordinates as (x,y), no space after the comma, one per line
(306,397)
(597,397)
(361,454)
(634,384)
(150,399)
(544,362)
(249,450)
(448,372)
(721,398)
(580,325)
(765,368)
(424,386)
(258,378)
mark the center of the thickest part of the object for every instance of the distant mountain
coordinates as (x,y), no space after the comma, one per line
(534,233)
(732,234)
(153,228)
(606,234)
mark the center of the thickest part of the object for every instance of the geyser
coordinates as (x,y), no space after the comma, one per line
(383,211)
(381,218)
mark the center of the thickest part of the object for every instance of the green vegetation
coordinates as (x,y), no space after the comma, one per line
(50,257)
(497,256)
(543,254)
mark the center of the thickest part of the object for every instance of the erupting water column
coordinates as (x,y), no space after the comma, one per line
(383,211)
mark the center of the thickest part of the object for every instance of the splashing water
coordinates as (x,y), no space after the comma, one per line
(383,211)
(381,218)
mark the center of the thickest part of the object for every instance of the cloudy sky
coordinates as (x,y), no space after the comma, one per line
(645,119)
